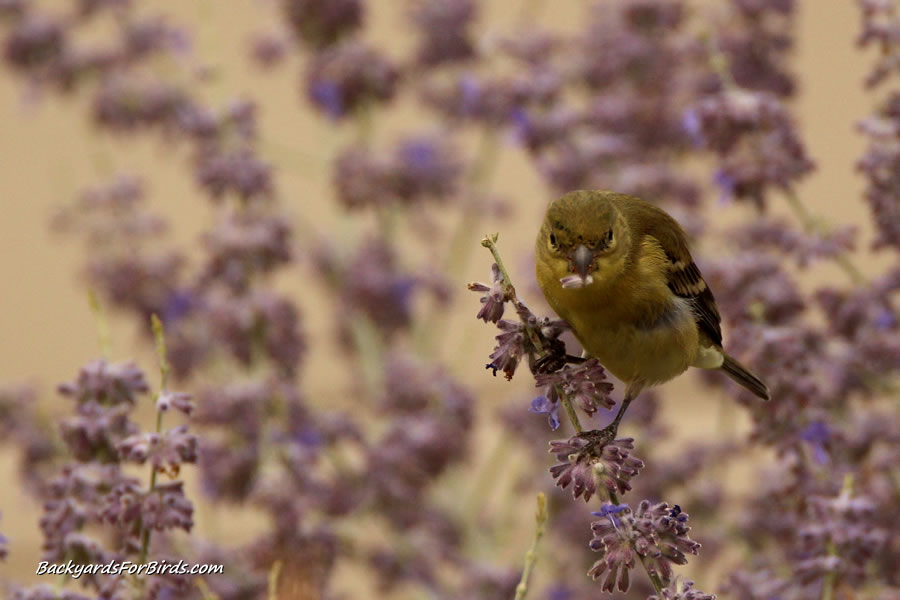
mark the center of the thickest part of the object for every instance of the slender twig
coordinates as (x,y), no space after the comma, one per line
(570,410)
(540,518)
(830,578)
(164,369)
(103,336)
(274,572)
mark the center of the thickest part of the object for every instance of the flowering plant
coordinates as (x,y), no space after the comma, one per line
(331,405)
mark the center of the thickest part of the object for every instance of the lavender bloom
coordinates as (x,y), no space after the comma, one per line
(585,384)
(841,539)
(879,165)
(588,461)
(321,24)
(444,30)
(141,38)
(94,433)
(344,78)
(681,590)
(755,39)
(125,103)
(756,584)
(72,500)
(268,49)
(228,472)
(164,507)
(244,245)
(655,532)
(260,322)
(177,400)
(240,172)
(106,384)
(421,168)
(755,139)
(491,101)
(880,27)
(424,167)
(511,347)
(495,296)
(804,248)
(166,451)
(34,43)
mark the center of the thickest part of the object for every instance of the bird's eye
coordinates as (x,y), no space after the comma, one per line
(553,243)
(609,236)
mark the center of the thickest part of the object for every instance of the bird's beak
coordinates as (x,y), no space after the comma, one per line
(583,258)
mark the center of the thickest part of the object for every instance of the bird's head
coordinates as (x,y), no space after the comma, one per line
(584,239)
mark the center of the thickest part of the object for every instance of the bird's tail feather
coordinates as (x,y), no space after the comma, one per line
(742,376)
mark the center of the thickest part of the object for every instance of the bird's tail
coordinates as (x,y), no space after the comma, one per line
(741,375)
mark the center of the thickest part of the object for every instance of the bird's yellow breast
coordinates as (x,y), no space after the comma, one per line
(629,319)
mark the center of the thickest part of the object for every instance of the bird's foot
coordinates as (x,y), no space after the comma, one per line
(555,359)
(596,439)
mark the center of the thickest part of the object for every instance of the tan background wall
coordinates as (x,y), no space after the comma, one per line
(48,152)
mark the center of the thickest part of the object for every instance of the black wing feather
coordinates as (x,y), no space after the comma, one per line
(686,282)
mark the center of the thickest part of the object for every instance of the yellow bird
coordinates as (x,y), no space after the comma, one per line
(619,271)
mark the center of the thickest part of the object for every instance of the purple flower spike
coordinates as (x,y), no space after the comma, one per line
(585,384)
(495,296)
(655,532)
(589,460)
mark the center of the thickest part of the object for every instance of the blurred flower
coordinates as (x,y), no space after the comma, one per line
(804,248)
(106,384)
(321,24)
(880,27)
(755,38)
(589,460)
(681,590)
(243,245)
(267,49)
(177,400)
(34,42)
(123,103)
(164,507)
(443,27)
(166,451)
(346,77)
(755,140)
(240,172)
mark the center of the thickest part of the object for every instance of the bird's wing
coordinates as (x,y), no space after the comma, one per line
(685,280)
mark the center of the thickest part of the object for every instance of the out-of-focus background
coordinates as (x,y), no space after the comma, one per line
(49,153)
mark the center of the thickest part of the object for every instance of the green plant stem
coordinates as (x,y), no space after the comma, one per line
(369,349)
(274,572)
(830,578)
(570,411)
(540,518)
(164,368)
(104,339)
(145,534)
